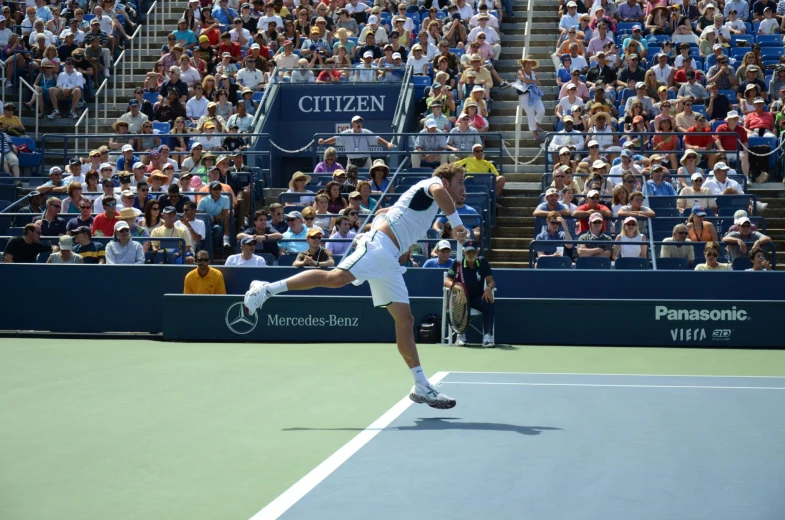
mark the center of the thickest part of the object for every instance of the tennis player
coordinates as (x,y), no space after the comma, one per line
(375,260)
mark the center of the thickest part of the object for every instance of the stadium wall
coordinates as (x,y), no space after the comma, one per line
(131,299)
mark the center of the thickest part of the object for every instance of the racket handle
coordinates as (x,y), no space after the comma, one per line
(459,252)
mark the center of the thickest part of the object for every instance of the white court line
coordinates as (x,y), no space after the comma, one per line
(618,386)
(618,375)
(303,486)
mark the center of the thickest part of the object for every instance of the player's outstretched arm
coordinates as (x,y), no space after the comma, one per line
(447,205)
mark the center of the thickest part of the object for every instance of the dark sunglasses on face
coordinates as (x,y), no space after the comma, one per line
(712,254)
(554,222)
(681,233)
(202,260)
(110,205)
(594,198)
(353,214)
(85,207)
(631,224)
(55,206)
(308,218)
(629,181)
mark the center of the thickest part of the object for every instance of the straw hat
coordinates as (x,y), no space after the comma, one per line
(297,176)
(596,116)
(118,123)
(208,155)
(535,63)
(127,213)
(379,163)
(686,155)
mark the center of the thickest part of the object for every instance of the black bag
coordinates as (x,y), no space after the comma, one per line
(430,329)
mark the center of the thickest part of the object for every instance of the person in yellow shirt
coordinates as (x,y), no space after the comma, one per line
(204,279)
(10,122)
(482,78)
(478,164)
(179,255)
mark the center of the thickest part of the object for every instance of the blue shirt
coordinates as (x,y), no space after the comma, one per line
(465,210)
(44,14)
(220,15)
(559,207)
(546,248)
(214,207)
(294,247)
(434,262)
(187,35)
(663,190)
(121,166)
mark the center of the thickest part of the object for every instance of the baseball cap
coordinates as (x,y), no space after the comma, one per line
(721,166)
(139,164)
(598,164)
(443,244)
(630,219)
(592,143)
(294,214)
(470,245)
(698,210)
(732,115)
(66,241)
(594,217)
(696,175)
(758,100)
(121,224)
(640,84)
(127,193)
(367,54)
(107,181)
(247,240)
(314,231)
(373,19)
(551,191)
(743,220)
(626,152)
(127,148)
(356,118)
(169,210)
(636,27)
(430,124)
(133,103)
(567,118)
(355,194)
(55,169)
(592,193)
(80,229)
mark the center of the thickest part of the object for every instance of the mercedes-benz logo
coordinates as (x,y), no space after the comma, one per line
(239,321)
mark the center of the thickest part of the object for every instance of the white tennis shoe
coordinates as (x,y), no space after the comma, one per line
(487,341)
(429,395)
(256,296)
(460,339)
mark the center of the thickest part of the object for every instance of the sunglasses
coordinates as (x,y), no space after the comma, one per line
(308,218)
(698,181)
(711,254)
(558,176)
(291,219)
(55,206)
(629,181)
(597,222)
(554,222)
(746,225)
(202,260)
(85,207)
(110,205)
(594,198)
(143,189)
(156,208)
(682,233)
(124,231)
(631,224)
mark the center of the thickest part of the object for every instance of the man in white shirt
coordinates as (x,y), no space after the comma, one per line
(73,28)
(5,32)
(373,27)
(240,35)
(249,76)
(465,9)
(240,118)
(720,181)
(197,105)
(492,20)
(270,16)
(188,74)
(491,36)
(69,84)
(194,226)
(662,71)
(287,59)
(38,28)
(247,258)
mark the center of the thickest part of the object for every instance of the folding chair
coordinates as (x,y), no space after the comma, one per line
(447,332)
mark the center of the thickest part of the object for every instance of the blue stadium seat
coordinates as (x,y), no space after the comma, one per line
(661,202)
(42,257)
(632,263)
(738,52)
(270,259)
(771,52)
(152,97)
(420,83)
(31,159)
(768,40)
(749,38)
(162,127)
(554,262)
(741,263)
(593,262)
(286,260)
(673,264)
(771,142)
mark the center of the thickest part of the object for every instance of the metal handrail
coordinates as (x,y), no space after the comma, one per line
(148,24)
(407,81)
(36,97)
(120,59)
(104,83)
(79,121)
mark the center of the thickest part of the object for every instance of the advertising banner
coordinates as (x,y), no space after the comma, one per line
(285,318)
(660,323)
(339,103)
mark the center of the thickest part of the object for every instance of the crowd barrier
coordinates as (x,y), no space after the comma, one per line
(28,281)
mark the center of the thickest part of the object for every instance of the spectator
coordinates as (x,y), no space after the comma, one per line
(25,249)
(478,164)
(551,204)
(121,249)
(477,276)
(711,252)
(194,226)
(632,241)
(636,208)
(128,216)
(173,198)
(588,210)
(263,232)
(51,224)
(204,279)
(91,252)
(690,195)
(66,254)
(701,230)
(69,85)
(595,234)
(84,219)
(567,140)
(246,258)
(558,231)
(729,144)
(104,224)
(679,245)
(759,261)
(178,254)
(277,221)
(314,255)
(134,117)
(759,122)
(55,185)
(296,231)
(330,162)
(720,181)
(656,186)
(530,95)
(152,216)
(441,259)
(361,146)
(738,241)
(36,203)
(343,230)
(430,140)
(217,206)
(297,184)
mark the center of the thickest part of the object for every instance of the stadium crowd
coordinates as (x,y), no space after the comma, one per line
(660,99)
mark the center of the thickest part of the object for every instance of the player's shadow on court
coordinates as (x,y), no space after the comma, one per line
(445,423)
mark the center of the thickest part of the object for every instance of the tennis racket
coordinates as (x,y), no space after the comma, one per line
(457,303)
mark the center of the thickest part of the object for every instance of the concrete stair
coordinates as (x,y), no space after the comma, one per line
(514,231)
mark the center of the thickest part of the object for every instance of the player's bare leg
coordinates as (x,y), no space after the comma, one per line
(309,279)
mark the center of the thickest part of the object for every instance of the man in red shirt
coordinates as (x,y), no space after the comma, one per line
(728,143)
(591,205)
(103,224)
(330,74)
(759,123)
(700,143)
(233,48)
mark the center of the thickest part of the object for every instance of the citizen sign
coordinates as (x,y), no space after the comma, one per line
(353,104)
(662,312)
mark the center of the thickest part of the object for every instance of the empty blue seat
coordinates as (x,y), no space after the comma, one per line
(768,40)
(771,52)
(286,260)
(673,264)
(632,263)
(162,127)
(554,262)
(735,38)
(741,263)
(593,262)
(152,97)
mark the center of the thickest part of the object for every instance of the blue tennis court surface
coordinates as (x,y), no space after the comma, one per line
(565,446)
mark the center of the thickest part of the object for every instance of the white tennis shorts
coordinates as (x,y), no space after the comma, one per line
(375,260)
